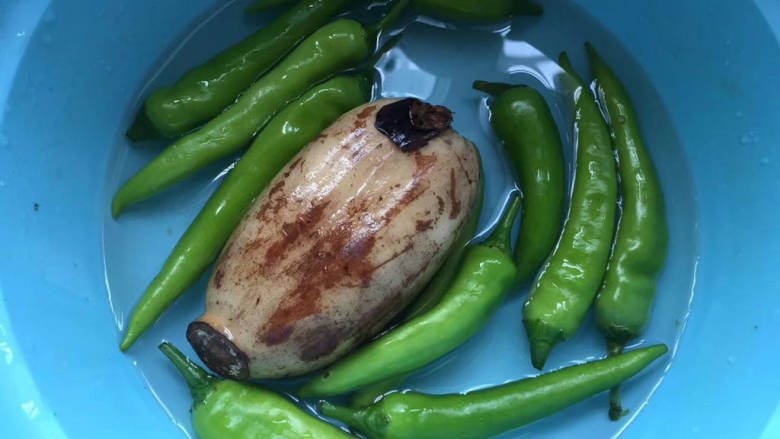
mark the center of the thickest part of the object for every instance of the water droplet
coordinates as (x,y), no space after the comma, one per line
(749,138)
(738,114)
(731,359)
(764,161)
(2,183)
(30,409)
(47,39)
(109,69)
(8,354)
(695,429)
(3,140)
(21,33)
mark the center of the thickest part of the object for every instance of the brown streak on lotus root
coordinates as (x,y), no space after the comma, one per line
(303,225)
(366,112)
(340,247)
(218,275)
(455,210)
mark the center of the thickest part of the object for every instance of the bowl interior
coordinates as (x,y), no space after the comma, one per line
(67,266)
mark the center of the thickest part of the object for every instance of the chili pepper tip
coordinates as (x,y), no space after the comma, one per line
(540,350)
(492,88)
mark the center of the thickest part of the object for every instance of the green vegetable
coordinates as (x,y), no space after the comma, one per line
(523,122)
(331,49)
(569,280)
(623,304)
(485,10)
(489,412)
(286,134)
(262,5)
(224,409)
(487,273)
(206,90)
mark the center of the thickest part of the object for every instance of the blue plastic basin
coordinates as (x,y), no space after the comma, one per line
(702,74)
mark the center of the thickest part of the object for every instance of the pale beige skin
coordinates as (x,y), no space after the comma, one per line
(342,239)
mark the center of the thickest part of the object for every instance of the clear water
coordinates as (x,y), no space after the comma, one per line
(437,63)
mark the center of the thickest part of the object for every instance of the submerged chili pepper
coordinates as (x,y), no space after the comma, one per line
(224,409)
(206,90)
(486,275)
(485,10)
(286,134)
(569,280)
(470,10)
(262,5)
(331,49)
(623,304)
(523,122)
(488,412)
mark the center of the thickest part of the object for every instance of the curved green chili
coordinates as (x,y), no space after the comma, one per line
(569,280)
(523,122)
(470,10)
(206,90)
(486,275)
(623,304)
(286,134)
(224,409)
(331,49)
(262,5)
(485,10)
(489,412)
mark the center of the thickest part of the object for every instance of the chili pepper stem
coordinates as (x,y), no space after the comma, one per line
(383,50)
(500,239)
(565,63)
(492,88)
(198,380)
(616,410)
(374,30)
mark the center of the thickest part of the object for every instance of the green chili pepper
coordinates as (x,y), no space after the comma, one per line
(331,49)
(286,134)
(224,409)
(206,90)
(623,304)
(569,280)
(485,10)
(486,275)
(431,295)
(523,122)
(489,412)
(263,5)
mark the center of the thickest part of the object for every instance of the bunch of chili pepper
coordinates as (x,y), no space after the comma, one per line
(275,77)
(593,260)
